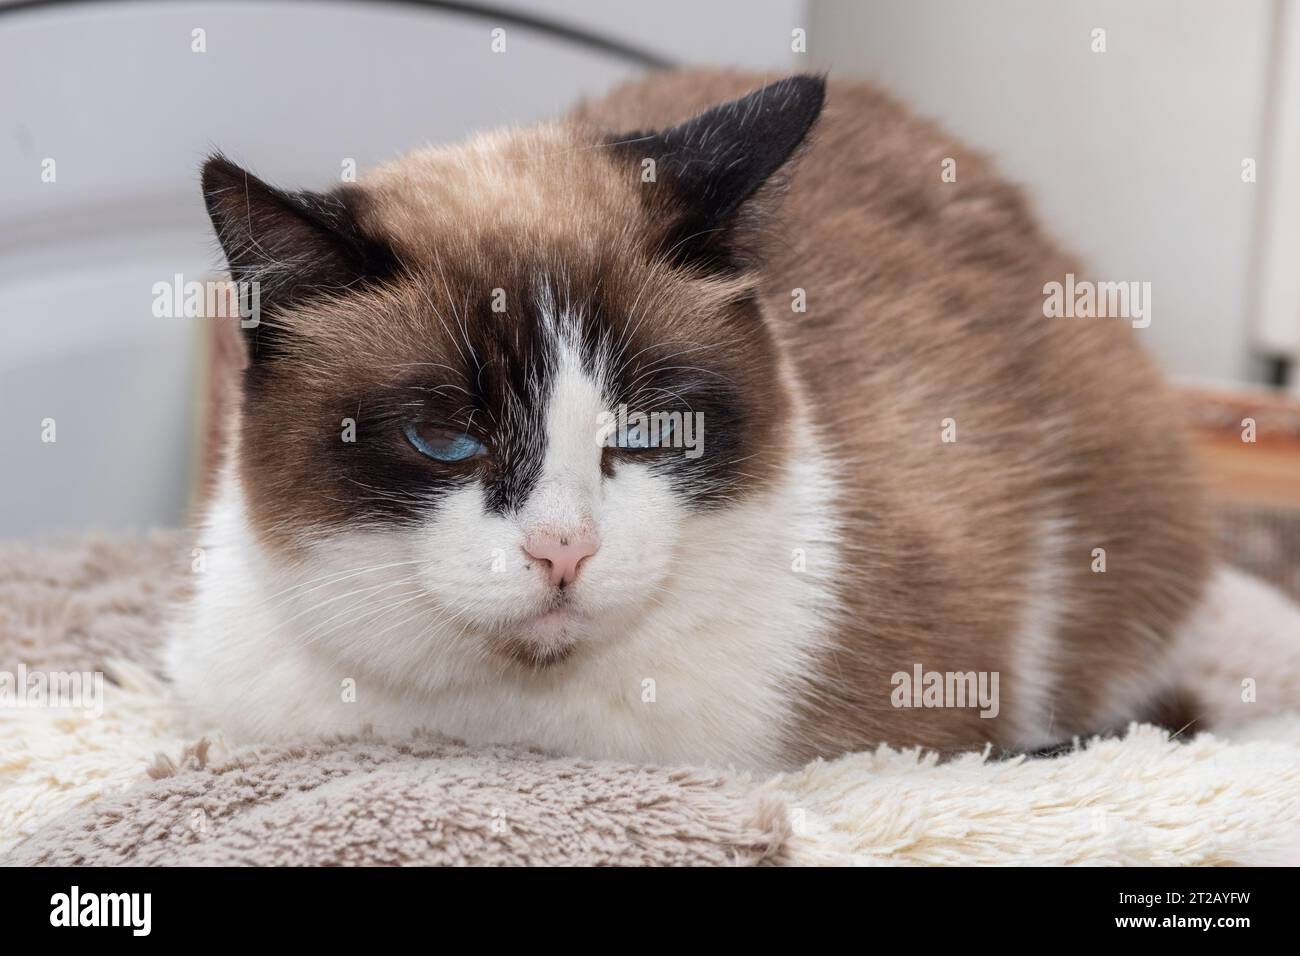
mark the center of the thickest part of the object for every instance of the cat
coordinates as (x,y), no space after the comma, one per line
(458,495)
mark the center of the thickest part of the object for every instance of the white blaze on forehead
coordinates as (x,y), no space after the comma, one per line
(565,496)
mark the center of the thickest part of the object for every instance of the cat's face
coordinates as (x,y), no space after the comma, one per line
(519,372)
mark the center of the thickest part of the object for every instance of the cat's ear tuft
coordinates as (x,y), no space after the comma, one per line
(294,245)
(710,168)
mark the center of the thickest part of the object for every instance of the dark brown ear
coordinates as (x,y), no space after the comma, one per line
(294,245)
(708,168)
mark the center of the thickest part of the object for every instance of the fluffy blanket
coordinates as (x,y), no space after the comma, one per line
(125,786)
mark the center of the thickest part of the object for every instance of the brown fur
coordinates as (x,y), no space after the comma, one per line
(925,302)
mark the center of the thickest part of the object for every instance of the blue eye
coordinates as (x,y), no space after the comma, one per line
(636,437)
(642,435)
(440,444)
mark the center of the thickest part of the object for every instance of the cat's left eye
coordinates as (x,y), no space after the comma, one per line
(442,444)
(644,435)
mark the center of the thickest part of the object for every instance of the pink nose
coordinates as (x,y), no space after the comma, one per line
(562,554)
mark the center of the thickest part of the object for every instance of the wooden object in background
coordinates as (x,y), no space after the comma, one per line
(1263,472)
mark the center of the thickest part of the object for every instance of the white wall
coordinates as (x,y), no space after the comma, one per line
(1132,156)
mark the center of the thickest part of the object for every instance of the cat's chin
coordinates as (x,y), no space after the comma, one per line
(543,639)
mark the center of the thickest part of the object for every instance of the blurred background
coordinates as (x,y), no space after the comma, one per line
(1160,159)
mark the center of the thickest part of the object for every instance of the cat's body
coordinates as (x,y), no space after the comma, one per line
(751,605)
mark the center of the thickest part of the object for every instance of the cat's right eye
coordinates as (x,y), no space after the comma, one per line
(442,444)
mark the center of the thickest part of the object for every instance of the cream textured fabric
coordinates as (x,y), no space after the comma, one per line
(69,605)
(52,761)
(359,802)
(1137,801)
(125,787)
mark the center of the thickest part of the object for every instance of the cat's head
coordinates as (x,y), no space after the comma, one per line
(517,368)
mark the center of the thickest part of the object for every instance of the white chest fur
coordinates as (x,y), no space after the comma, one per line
(705,672)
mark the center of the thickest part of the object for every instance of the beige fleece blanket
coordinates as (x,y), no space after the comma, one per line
(125,786)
